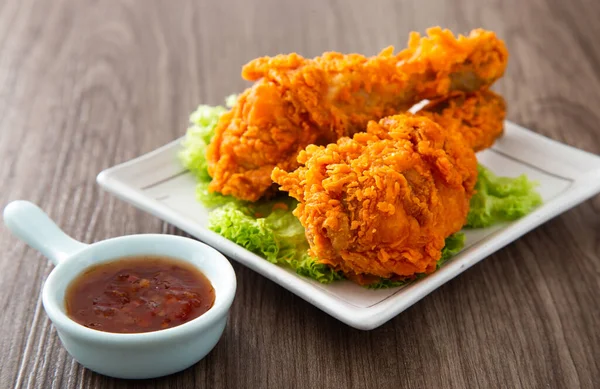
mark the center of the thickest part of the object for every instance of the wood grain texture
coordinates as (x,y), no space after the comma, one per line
(87,84)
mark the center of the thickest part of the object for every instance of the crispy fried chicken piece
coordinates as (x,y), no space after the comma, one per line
(382,202)
(478,116)
(296,101)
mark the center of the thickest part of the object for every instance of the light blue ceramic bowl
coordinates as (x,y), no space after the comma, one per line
(143,355)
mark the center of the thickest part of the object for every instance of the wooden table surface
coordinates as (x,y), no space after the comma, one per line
(86,84)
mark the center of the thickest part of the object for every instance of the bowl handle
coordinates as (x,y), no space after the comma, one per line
(30,224)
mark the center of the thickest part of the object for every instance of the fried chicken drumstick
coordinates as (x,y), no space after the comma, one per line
(382,202)
(296,101)
(352,183)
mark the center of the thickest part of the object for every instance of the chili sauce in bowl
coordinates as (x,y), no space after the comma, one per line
(138,294)
(167,313)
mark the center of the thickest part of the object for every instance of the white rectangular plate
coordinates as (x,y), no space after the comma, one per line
(157,183)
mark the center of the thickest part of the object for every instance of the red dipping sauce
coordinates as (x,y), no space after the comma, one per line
(138,294)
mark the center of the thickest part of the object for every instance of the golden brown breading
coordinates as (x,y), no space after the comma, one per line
(478,116)
(382,202)
(296,101)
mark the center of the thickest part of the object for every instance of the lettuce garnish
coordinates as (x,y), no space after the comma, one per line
(212,199)
(385,283)
(197,138)
(203,122)
(453,244)
(271,231)
(501,199)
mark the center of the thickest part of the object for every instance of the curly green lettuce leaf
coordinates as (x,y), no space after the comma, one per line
(269,229)
(500,199)
(385,283)
(233,222)
(309,267)
(203,122)
(202,128)
(454,243)
(211,199)
(231,100)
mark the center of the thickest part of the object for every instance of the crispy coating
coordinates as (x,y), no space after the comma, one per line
(478,116)
(382,202)
(296,101)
